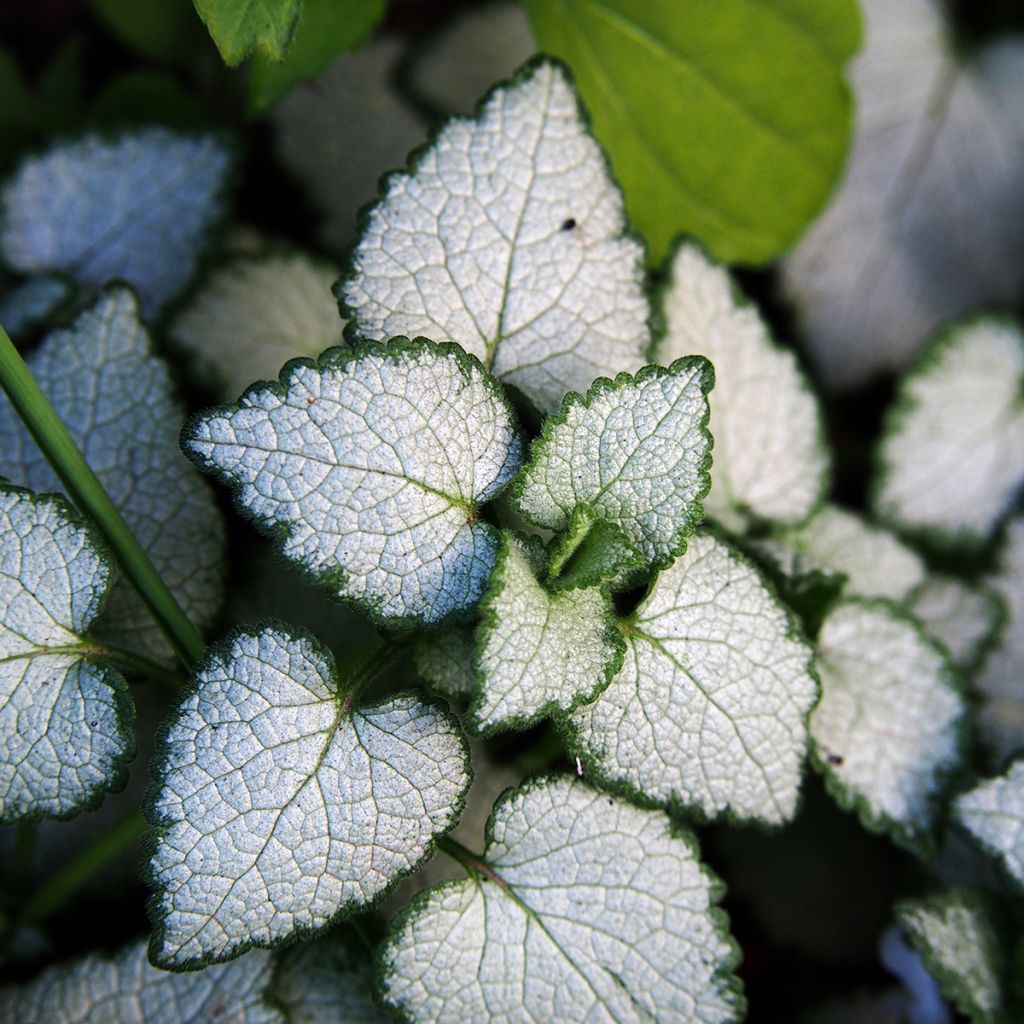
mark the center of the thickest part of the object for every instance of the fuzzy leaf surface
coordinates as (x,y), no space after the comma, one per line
(770,461)
(964,618)
(508,236)
(280,805)
(888,730)
(586,908)
(126,989)
(368,467)
(65,723)
(709,709)
(993,812)
(540,652)
(118,401)
(238,26)
(634,451)
(952,458)
(138,208)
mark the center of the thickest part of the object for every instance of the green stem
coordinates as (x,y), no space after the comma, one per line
(66,882)
(88,494)
(133,663)
(473,863)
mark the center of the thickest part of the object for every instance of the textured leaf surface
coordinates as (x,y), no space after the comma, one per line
(508,236)
(959,946)
(750,127)
(369,467)
(253,315)
(952,459)
(31,304)
(888,730)
(710,707)
(635,451)
(591,552)
(446,659)
(238,26)
(963,618)
(539,652)
(138,209)
(280,805)
(117,400)
(993,812)
(127,990)
(65,724)
(770,456)
(928,222)
(587,909)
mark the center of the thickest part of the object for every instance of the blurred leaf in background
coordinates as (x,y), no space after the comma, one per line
(162,30)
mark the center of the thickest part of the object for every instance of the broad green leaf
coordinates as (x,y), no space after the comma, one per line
(889,731)
(33,303)
(239,26)
(634,451)
(118,401)
(749,129)
(875,563)
(446,660)
(964,618)
(127,990)
(339,135)
(65,721)
(327,982)
(138,208)
(254,314)
(928,222)
(162,30)
(955,936)
(326,28)
(508,236)
(369,467)
(993,812)
(709,710)
(771,461)
(583,907)
(145,97)
(591,552)
(951,461)
(539,652)
(281,803)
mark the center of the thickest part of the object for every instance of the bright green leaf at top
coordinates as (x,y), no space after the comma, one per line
(327,28)
(752,118)
(239,25)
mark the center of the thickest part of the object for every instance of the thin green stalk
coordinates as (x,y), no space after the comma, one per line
(67,882)
(131,662)
(88,494)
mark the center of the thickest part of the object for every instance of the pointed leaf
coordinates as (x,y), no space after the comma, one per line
(964,618)
(585,908)
(65,723)
(540,653)
(118,402)
(889,730)
(507,235)
(127,990)
(446,660)
(709,710)
(952,458)
(591,552)
(238,26)
(993,812)
(280,805)
(138,209)
(635,451)
(369,467)
(254,314)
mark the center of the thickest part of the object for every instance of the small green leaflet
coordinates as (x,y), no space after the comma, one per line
(750,126)
(127,990)
(65,722)
(583,907)
(238,26)
(952,458)
(368,467)
(280,804)
(771,461)
(118,402)
(993,812)
(254,314)
(590,552)
(508,236)
(964,618)
(138,208)
(954,934)
(709,710)
(888,733)
(539,652)
(635,451)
